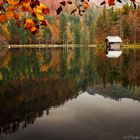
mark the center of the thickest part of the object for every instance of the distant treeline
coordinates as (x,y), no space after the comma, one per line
(91,28)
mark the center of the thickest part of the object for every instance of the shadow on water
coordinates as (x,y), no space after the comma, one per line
(33,80)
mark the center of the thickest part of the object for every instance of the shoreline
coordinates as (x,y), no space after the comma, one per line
(14,46)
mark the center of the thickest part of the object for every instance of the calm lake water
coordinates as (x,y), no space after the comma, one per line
(74,94)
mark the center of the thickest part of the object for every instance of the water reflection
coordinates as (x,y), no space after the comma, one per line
(24,106)
(33,80)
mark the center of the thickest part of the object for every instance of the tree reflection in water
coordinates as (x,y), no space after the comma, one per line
(32,81)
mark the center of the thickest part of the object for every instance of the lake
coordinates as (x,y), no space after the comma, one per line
(69,94)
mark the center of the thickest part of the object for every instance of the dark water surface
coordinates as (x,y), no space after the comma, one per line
(70,94)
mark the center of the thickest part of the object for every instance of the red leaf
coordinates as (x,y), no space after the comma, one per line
(134,5)
(74,11)
(46,10)
(80,12)
(111,2)
(69,2)
(18,23)
(103,3)
(119,1)
(133,0)
(16,16)
(59,10)
(63,3)
(43,22)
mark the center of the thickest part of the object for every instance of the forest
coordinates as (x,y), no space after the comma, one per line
(38,24)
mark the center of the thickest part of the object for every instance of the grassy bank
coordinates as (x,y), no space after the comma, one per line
(137,46)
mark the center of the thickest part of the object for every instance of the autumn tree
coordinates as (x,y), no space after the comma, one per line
(31,15)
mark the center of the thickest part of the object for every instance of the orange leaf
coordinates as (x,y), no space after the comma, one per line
(16,16)
(12,2)
(10,8)
(38,9)
(9,15)
(26,7)
(28,23)
(33,29)
(2,18)
(40,16)
(86,5)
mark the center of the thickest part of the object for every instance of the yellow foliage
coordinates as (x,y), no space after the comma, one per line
(122,10)
(38,10)
(44,68)
(42,6)
(40,57)
(40,16)
(26,4)
(5,61)
(29,20)
(1,77)
(12,2)
(54,61)
(5,32)
(9,15)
